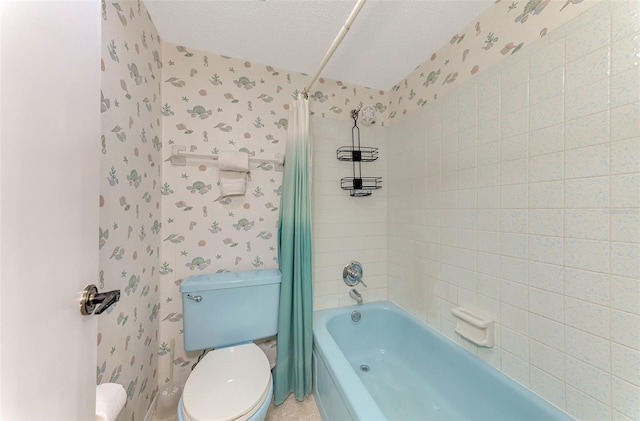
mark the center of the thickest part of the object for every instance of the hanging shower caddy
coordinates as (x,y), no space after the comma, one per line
(358,185)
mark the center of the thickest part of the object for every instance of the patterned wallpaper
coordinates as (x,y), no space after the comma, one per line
(130,202)
(499,32)
(212,103)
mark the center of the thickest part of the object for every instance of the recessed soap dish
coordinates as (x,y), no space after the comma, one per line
(474,327)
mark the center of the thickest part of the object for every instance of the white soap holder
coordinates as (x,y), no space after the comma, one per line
(474,327)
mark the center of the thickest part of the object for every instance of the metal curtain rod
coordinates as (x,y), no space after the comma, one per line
(336,42)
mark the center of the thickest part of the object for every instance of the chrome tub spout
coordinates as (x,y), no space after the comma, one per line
(353,293)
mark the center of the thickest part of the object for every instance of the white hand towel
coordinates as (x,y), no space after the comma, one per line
(233,161)
(232,183)
(110,399)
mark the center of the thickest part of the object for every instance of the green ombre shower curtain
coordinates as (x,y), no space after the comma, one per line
(295,331)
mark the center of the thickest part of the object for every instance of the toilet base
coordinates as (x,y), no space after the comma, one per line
(259,415)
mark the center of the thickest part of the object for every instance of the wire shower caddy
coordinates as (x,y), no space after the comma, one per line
(358,185)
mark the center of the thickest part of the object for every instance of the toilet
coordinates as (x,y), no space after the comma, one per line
(227,311)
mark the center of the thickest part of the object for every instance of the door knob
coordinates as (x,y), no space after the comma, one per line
(93,302)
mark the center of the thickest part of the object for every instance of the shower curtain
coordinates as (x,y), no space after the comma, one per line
(295,336)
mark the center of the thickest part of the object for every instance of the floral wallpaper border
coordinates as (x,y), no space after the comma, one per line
(499,32)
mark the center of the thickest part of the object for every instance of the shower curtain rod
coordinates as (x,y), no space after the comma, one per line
(336,42)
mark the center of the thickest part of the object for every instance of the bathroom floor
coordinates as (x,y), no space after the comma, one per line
(290,410)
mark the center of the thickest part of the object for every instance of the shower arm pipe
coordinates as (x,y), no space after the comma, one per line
(334,46)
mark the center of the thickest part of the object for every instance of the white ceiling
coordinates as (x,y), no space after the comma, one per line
(386,42)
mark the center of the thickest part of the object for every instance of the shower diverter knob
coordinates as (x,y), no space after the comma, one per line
(352,274)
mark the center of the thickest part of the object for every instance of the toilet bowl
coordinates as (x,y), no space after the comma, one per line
(228,384)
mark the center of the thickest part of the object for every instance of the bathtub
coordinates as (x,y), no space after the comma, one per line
(390,366)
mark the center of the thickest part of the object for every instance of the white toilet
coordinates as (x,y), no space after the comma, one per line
(227,311)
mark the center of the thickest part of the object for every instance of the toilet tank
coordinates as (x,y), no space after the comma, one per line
(229,308)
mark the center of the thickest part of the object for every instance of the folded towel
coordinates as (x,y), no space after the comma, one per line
(233,161)
(232,183)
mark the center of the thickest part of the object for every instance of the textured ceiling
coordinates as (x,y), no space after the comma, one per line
(386,42)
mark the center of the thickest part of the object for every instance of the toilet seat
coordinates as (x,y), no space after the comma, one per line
(228,384)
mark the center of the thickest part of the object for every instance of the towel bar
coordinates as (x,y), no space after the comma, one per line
(179,157)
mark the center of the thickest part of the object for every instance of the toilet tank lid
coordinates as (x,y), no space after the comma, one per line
(224,280)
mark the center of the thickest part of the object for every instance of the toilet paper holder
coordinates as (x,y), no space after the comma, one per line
(93,302)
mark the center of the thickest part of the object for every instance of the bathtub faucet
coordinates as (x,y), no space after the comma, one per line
(353,293)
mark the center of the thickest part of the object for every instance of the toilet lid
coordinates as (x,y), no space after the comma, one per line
(228,384)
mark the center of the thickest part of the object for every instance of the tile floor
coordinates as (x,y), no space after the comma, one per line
(290,410)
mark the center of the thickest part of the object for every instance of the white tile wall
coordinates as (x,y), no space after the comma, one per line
(529,211)
(347,228)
